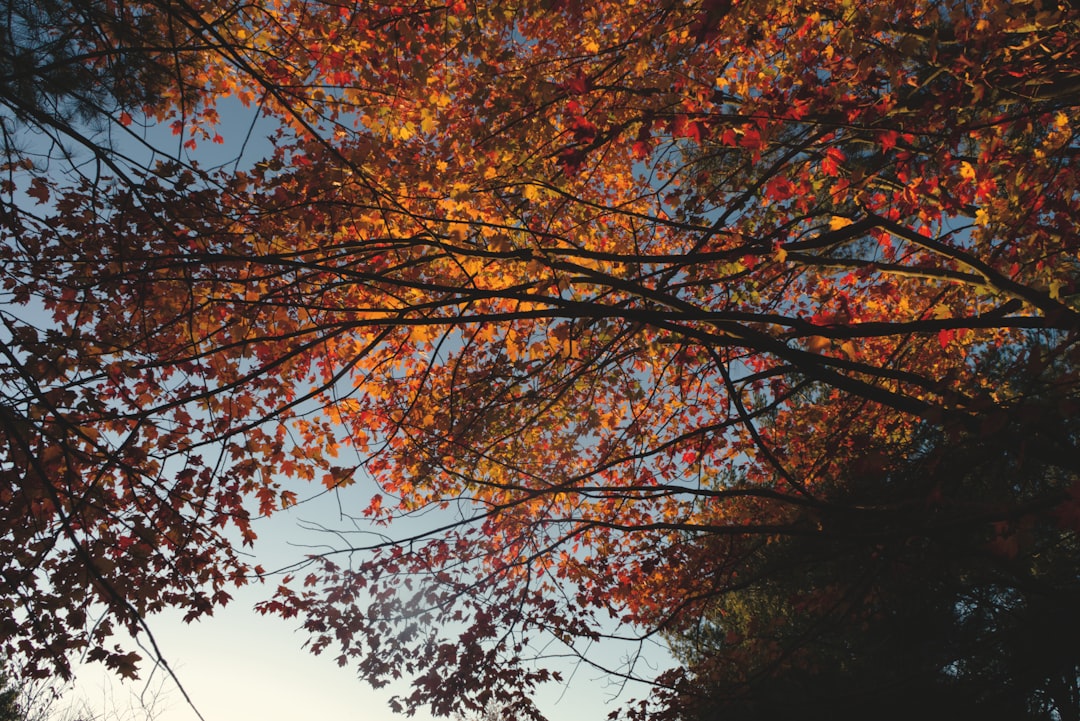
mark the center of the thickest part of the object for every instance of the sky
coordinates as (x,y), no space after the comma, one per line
(240,665)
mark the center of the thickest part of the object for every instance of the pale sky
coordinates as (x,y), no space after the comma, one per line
(239,665)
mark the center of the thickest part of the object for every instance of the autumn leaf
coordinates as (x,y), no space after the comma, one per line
(39,190)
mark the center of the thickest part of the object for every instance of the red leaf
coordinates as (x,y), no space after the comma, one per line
(38,190)
(683,127)
(571,159)
(584,129)
(831,164)
(579,84)
(779,188)
(888,139)
(751,139)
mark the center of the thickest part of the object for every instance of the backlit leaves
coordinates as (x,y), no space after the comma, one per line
(611,293)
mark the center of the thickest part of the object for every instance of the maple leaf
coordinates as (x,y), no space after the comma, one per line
(780,188)
(830,165)
(579,84)
(39,190)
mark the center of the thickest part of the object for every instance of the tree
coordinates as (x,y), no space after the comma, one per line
(39,700)
(9,708)
(104,521)
(634,299)
(929,618)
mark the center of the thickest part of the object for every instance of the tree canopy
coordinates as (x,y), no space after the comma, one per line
(9,699)
(746,325)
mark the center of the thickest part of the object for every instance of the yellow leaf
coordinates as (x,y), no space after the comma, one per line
(817,344)
(967,171)
(514,346)
(837,222)
(428,123)
(473,266)
(459,232)
(424,333)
